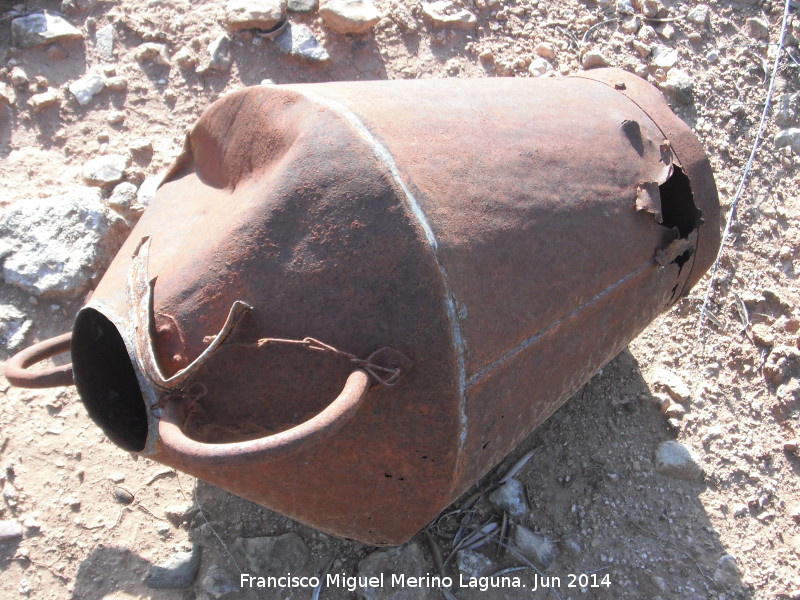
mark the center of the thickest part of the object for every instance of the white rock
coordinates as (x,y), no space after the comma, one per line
(789,137)
(593,59)
(651,8)
(675,459)
(140,146)
(727,573)
(671,383)
(177,513)
(757,28)
(643,49)
(408,559)
(10,530)
(625,7)
(787,111)
(664,57)
(472,564)
(273,555)
(148,189)
(299,40)
(302,6)
(511,497)
(261,14)
(104,42)
(545,50)
(105,170)
(219,54)
(177,572)
(85,88)
(123,198)
(153,52)
(56,243)
(14,326)
(631,25)
(44,100)
(68,6)
(539,66)
(7,95)
(185,58)
(117,83)
(404,18)
(535,546)
(679,88)
(116,117)
(218,583)
(116,476)
(443,13)
(699,14)
(18,77)
(349,16)
(41,28)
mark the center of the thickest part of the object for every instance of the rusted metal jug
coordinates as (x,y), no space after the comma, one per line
(349,301)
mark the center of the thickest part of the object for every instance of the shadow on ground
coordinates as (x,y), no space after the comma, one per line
(592,487)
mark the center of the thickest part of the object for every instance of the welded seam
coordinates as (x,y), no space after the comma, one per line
(484,371)
(384,156)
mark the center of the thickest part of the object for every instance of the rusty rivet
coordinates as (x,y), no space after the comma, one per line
(620,85)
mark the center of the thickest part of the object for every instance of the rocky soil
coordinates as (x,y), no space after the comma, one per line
(674,473)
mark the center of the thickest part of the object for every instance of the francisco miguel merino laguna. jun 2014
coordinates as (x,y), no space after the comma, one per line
(352,582)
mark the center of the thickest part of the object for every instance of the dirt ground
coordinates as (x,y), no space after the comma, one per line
(95,519)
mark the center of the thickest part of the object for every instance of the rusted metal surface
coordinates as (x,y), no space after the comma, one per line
(19,373)
(505,237)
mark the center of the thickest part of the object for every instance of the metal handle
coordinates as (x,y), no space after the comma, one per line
(17,366)
(316,429)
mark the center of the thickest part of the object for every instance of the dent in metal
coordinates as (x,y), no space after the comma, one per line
(140,301)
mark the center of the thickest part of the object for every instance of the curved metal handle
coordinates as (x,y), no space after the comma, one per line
(17,371)
(316,429)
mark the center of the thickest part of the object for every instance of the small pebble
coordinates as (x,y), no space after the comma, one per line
(151,52)
(472,564)
(675,459)
(727,572)
(699,14)
(120,494)
(594,59)
(178,572)
(349,16)
(117,83)
(86,88)
(757,28)
(511,497)
(10,530)
(535,546)
(44,100)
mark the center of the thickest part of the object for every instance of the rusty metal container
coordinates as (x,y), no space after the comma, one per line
(349,301)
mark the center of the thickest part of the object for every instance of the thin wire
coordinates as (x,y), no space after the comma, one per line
(748,167)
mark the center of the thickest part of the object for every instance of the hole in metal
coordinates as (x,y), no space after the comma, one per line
(677,203)
(107,382)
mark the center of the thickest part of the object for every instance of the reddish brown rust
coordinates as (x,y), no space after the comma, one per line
(19,374)
(509,236)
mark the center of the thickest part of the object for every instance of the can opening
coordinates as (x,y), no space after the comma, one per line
(107,382)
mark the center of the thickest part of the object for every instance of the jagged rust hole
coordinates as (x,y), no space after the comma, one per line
(678,209)
(107,382)
(677,203)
